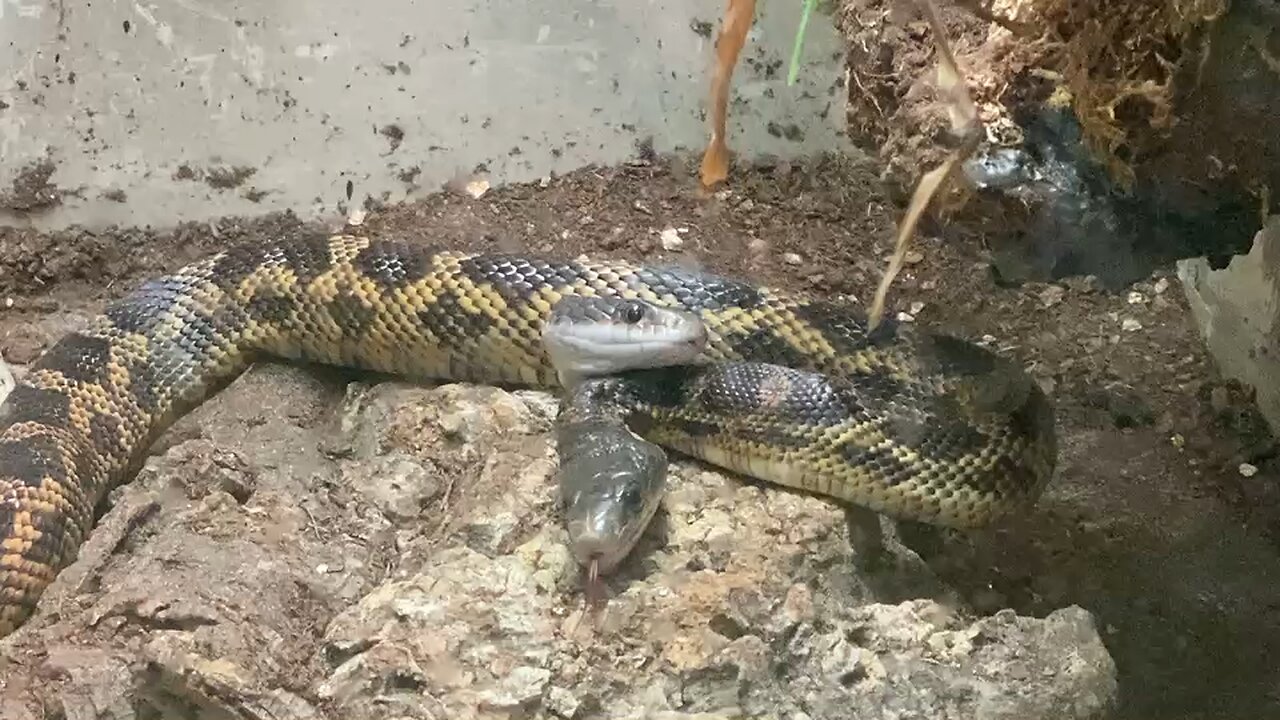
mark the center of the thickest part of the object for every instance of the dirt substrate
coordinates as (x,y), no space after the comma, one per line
(1150,524)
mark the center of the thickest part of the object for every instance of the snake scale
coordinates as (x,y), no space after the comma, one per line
(919,426)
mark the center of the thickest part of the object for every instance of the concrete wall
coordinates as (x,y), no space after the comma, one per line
(156,112)
(1238,311)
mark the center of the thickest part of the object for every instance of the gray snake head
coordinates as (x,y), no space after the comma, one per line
(594,336)
(611,480)
(611,484)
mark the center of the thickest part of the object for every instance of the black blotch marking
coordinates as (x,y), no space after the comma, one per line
(306,253)
(203,330)
(79,358)
(699,290)
(269,306)
(139,311)
(662,387)
(825,401)
(104,431)
(940,433)
(988,382)
(762,345)
(851,401)
(517,277)
(394,264)
(878,459)
(1034,419)
(641,424)
(448,320)
(845,327)
(52,547)
(879,391)
(952,356)
(31,404)
(695,428)
(350,313)
(733,388)
(770,434)
(31,459)
(146,378)
(48,524)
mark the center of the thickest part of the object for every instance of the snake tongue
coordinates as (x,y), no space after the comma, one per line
(595,590)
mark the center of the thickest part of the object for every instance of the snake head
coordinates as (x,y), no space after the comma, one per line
(593,336)
(611,484)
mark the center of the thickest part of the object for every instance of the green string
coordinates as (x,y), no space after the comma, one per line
(798,47)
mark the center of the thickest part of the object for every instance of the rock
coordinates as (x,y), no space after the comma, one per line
(27,341)
(522,686)
(463,629)
(399,485)
(6,379)
(447,591)
(1084,284)
(1052,295)
(477,188)
(562,703)
(1236,310)
(1126,407)
(178,677)
(92,690)
(671,239)
(706,628)
(917,658)
(208,469)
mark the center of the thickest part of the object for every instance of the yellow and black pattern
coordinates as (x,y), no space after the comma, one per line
(936,417)
(935,459)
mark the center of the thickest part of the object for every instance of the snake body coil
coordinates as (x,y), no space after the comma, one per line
(931,428)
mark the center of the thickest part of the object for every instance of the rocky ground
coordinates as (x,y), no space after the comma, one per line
(312,544)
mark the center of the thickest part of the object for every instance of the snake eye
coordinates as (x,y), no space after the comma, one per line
(635,313)
(631,497)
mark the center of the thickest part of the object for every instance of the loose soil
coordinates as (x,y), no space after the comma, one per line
(1150,524)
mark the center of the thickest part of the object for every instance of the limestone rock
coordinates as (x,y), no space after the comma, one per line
(407,560)
(1237,309)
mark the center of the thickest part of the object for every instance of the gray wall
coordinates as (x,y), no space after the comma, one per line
(153,113)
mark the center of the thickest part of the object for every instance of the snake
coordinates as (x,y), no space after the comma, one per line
(916,425)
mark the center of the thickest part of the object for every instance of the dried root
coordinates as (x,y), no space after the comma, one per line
(738,16)
(965,124)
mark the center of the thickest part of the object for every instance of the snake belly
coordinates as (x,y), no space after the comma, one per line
(957,425)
